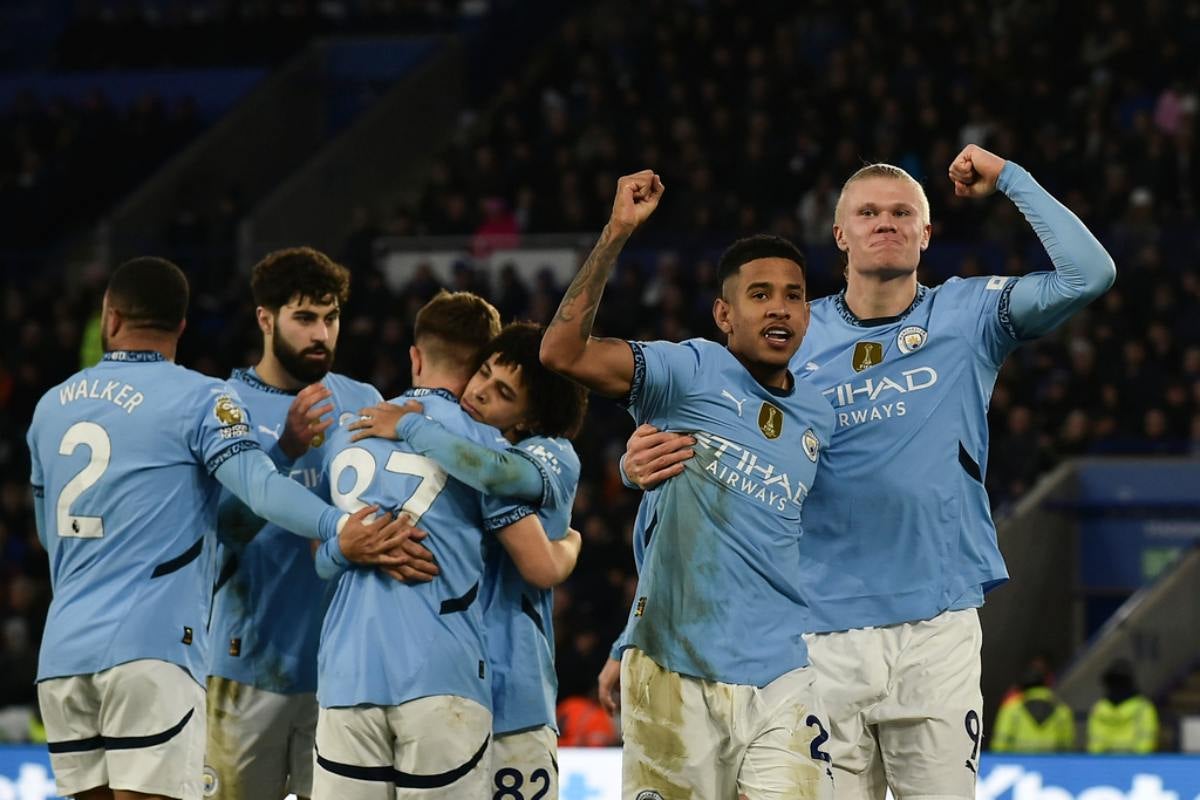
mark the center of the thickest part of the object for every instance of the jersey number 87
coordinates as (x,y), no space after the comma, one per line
(433,479)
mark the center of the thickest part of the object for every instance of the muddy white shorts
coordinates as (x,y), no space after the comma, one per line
(433,748)
(687,738)
(138,726)
(260,743)
(905,707)
(525,764)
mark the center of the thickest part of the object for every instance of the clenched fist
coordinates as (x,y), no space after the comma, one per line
(975,172)
(637,197)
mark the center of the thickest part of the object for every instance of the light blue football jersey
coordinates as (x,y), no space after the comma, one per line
(268,602)
(719,591)
(520,616)
(385,642)
(898,526)
(122,456)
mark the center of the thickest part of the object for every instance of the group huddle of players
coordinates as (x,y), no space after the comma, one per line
(363,586)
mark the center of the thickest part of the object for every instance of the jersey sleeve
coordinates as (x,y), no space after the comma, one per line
(497,512)
(37,481)
(1083,269)
(662,373)
(483,468)
(984,306)
(223,427)
(558,466)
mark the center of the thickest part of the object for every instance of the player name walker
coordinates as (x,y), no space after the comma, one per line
(117,392)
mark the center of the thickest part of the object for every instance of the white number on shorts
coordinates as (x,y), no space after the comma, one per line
(433,479)
(95,438)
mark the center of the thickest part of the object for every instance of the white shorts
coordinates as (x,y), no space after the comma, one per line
(905,705)
(433,748)
(260,743)
(526,764)
(138,726)
(687,738)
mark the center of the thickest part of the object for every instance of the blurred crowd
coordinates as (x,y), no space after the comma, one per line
(63,162)
(753,114)
(168,33)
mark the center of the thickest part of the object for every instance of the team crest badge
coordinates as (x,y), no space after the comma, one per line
(770,421)
(866,354)
(911,338)
(227,412)
(812,445)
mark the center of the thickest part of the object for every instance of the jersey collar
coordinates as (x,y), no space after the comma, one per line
(445,394)
(136,356)
(249,377)
(848,315)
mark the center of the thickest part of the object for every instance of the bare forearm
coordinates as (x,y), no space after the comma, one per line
(568,347)
(566,555)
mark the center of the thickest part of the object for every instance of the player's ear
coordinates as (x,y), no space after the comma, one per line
(266,321)
(926,233)
(414,355)
(839,236)
(721,311)
(112,322)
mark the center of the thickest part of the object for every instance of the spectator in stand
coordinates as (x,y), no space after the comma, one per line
(1123,721)
(1035,720)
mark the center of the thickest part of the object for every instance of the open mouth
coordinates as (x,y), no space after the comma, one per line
(778,335)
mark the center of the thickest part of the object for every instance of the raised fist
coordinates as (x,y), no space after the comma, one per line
(637,197)
(975,172)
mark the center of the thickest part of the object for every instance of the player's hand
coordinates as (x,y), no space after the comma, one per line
(381,419)
(975,172)
(653,456)
(390,543)
(304,427)
(637,197)
(609,684)
(407,559)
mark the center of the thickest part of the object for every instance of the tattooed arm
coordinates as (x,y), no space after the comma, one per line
(603,365)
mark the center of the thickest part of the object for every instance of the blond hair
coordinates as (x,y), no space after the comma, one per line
(883,171)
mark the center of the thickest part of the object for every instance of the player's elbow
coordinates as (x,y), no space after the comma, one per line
(556,355)
(1099,278)
(541,573)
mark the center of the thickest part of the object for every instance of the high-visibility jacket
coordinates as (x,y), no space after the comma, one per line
(1035,721)
(1130,726)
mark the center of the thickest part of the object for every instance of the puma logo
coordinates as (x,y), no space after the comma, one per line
(734,400)
(272,433)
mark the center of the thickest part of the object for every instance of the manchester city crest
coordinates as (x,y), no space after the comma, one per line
(770,420)
(812,445)
(866,354)
(911,338)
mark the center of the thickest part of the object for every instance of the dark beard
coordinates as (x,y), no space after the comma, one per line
(297,365)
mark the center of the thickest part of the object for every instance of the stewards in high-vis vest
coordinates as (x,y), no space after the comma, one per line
(1123,721)
(1034,720)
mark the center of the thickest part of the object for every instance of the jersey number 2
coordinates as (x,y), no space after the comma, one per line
(95,438)
(433,479)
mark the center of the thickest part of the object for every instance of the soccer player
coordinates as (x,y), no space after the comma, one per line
(268,600)
(404,686)
(122,459)
(538,412)
(900,546)
(718,698)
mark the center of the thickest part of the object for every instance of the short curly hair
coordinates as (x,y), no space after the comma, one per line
(299,272)
(556,405)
